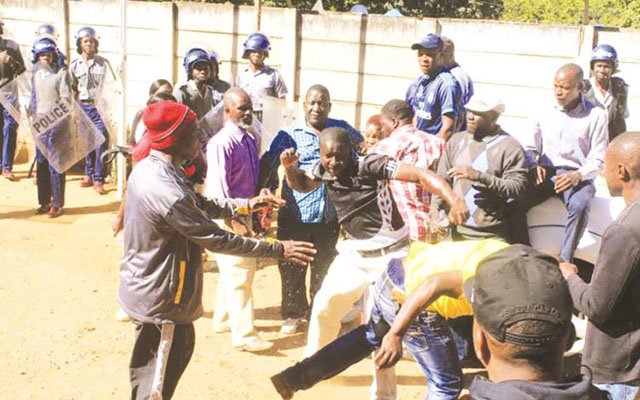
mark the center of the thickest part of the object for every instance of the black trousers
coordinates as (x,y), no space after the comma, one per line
(324,237)
(142,368)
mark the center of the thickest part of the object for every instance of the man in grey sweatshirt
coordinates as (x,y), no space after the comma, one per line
(166,226)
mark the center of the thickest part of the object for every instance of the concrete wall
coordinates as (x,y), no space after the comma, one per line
(364,61)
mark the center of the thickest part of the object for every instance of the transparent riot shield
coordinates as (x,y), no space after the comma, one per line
(107,102)
(214,121)
(61,130)
(275,115)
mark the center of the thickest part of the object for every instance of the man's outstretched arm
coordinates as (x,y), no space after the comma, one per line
(297,179)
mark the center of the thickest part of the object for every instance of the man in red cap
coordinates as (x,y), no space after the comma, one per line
(166,226)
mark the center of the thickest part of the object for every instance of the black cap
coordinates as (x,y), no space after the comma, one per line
(516,284)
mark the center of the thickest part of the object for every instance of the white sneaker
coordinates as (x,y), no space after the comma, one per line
(122,316)
(256,345)
(291,326)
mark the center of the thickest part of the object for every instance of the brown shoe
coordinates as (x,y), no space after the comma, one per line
(86,182)
(9,175)
(55,212)
(99,188)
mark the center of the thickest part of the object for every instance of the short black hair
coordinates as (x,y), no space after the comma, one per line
(335,134)
(318,88)
(399,109)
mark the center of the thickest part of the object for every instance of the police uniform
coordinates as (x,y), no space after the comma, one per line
(88,76)
(189,95)
(614,101)
(266,81)
(49,86)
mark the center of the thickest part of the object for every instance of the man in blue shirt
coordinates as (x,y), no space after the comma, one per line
(309,215)
(436,95)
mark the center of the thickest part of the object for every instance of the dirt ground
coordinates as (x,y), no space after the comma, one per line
(58,335)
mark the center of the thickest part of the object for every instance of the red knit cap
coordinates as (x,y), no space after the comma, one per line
(166,121)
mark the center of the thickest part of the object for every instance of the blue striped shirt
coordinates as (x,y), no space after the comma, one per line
(314,206)
(433,97)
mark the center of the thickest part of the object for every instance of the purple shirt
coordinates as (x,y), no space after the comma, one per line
(232,158)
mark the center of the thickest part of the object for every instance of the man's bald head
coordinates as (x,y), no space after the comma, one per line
(567,85)
(571,71)
(234,96)
(320,89)
(622,163)
(238,107)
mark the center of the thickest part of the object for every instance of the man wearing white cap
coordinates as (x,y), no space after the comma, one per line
(486,166)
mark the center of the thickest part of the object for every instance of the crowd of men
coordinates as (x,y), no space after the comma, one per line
(420,224)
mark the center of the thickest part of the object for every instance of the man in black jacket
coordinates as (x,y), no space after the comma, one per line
(612,300)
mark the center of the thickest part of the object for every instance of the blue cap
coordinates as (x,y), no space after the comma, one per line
(359,9)
(431,41)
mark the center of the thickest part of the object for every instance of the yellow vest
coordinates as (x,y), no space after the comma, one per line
(426,259)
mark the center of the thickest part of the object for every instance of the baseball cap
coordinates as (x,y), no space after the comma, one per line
(516,284)
(431,41)
(481,104)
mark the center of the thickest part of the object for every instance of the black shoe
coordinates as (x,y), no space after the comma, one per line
(43,209)
(282,387)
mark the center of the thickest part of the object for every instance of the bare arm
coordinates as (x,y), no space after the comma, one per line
(448,125)
(297,179)
(458,212)
(442,284)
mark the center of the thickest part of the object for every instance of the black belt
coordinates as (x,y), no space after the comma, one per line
(87,102)
(400,244)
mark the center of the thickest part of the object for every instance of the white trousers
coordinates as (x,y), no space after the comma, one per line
(234,296)
(348,278)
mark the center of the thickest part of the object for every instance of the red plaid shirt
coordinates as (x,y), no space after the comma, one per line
(412,146)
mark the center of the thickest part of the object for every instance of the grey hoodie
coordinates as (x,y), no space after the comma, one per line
(483,389)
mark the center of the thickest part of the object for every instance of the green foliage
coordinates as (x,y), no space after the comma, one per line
(613,13)
(486,9)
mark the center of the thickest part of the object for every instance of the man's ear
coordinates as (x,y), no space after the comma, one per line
(624,173)
(480,344)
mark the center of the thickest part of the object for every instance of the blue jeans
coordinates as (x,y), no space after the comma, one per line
(93,165)
(621,391)
(428,339)
(8,133)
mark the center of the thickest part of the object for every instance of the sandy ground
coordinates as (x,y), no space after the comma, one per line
(58,336)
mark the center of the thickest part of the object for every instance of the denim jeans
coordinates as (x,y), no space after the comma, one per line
(8,138)
(428,339)
(621,391)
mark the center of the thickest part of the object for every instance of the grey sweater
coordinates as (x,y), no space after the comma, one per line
(504,178)
(612,302)
(166,226)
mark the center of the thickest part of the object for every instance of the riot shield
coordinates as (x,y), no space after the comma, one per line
(214,121)
(107,102)
(61,130)
(275,115)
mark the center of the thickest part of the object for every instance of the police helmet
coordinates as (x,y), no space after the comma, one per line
(605,52)
(43,45)
(47,30)
(256,41)
(359,9)
(193,56)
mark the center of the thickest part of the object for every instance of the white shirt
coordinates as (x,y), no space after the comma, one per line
(576,139)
